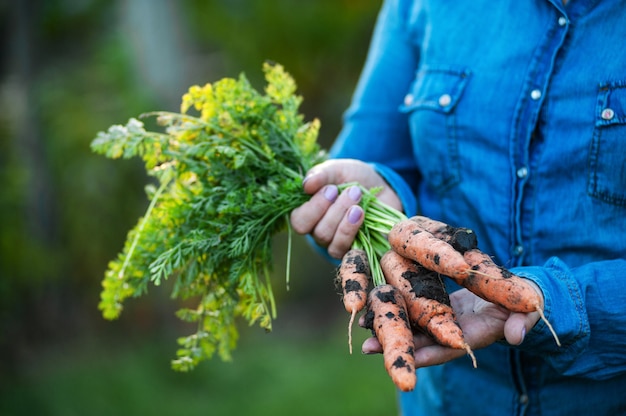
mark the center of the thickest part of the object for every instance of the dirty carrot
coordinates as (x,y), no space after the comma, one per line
(387,318)
(408,239)
(498,285)
(460,238)
(353,276)
(428,303)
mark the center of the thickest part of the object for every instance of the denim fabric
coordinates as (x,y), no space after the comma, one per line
(509,117)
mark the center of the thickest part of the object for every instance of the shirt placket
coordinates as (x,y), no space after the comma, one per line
(533,95)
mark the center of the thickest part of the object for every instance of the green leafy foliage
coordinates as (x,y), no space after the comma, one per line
(227,178)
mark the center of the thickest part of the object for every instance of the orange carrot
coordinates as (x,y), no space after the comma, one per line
(498,285)
(428,303)
(409,240)
(387,317)
(354,276)
(460,238)
(472,269)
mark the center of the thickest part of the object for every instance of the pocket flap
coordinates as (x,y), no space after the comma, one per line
(436,88)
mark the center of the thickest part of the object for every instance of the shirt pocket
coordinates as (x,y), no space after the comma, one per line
(607,157)
(431,105)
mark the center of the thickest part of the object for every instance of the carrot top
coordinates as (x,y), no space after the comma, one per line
(226,179)
(372,236)
(227,171)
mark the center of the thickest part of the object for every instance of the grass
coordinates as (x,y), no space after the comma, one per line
(285,372)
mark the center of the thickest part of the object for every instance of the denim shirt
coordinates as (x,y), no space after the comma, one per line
(509,117)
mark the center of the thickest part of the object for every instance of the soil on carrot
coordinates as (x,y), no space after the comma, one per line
(361,265)
(386,297)
(426,286)
(462,239)
(368,322)
(401,362)
(352,286)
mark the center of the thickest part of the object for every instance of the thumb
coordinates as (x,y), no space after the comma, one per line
(518,325)
(338,171)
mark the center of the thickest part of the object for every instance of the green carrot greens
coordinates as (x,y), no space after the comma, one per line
(227,177)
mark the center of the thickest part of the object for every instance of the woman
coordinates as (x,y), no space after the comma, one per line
(508,118)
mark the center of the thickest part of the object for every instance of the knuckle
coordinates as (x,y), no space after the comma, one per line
(349,227)
(336,252)
(323,236)
(339,246)
(299,222)
(299,228)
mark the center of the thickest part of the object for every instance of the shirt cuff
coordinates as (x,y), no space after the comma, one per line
(565,310)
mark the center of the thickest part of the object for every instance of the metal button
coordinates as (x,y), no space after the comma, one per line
(445,100)
(522,172)
(408,99)
(518,250)
(608,113)
(562,21)
(535,94)
(523,399)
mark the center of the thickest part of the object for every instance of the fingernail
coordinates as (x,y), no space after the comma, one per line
(355,214)
(307,177)
(354,192)
(523,334)
(331,192)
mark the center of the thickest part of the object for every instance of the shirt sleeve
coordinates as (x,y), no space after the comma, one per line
(374,130)
(586,306)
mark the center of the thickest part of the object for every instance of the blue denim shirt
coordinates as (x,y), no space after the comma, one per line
(509,117)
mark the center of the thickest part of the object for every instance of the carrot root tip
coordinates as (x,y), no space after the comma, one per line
(350,329)
(545,320)
(471,355)
(476,272)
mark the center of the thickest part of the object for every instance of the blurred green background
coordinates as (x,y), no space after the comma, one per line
(71,68)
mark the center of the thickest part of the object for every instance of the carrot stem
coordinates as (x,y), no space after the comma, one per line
(372,236)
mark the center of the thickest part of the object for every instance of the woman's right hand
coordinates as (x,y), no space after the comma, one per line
(333,218)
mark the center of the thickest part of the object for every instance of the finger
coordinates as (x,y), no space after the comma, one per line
(316,179)
(371,346)
(340,171)
(422,340)
(336,171)
(346,231)
(435,355)
(327,227)
(306,216)
(333,171)
(518,325)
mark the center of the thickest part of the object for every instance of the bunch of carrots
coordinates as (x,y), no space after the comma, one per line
(413,295)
